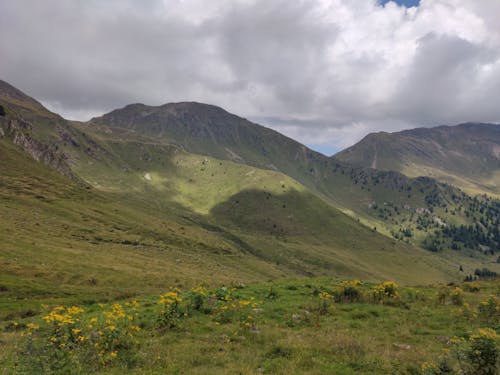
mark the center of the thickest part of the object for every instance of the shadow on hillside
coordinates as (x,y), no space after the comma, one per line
(289,214)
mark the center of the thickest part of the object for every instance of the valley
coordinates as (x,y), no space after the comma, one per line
(145,199)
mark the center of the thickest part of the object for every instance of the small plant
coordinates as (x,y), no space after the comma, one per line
(325,303)
(457,296)
(197,298)
(235,310)
(66,343)
(483,353)
(442,295)
(489,309)
(223,293)
(479,355)
(272,294)
(170,311)
(468,312)
(442,367)
(349,292)
(472,287)
(386,291)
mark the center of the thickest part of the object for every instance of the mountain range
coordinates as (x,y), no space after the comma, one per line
(187,193)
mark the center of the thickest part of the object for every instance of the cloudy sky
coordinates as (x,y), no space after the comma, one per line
(325,72)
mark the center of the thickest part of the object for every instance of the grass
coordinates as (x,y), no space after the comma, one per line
(287,326)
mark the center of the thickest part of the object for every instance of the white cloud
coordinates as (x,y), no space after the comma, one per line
(325,71)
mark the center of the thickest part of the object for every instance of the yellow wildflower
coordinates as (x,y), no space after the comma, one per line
(32,326)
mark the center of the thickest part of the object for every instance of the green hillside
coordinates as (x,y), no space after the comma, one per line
(409,209)
(122,147)
(97,218)
(466,155)
(106,218)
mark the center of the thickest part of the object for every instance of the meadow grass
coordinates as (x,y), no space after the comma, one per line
(310,326)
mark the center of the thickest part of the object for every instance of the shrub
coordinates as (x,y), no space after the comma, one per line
(440,368)
(349,292)
(170,309)
(222,293)
(235,310)
(490,308)
(457,296)
(472,287)
(197,298)
(442,295)
(483,353)
(485,273)
(66,343)
(479,355)
(386,291)
(468,312)
(325,302)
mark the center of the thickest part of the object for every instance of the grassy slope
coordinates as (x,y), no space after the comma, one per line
(60,241)
(277,218)
(63,242)
(209,130)
(157,215)
(464,155)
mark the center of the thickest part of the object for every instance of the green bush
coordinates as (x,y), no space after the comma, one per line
(457,296)
(479,355)
(349,292)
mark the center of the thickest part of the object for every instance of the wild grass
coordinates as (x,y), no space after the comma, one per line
(290,326)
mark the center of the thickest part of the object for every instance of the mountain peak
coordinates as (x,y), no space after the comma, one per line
(14,96)
(9,91)
(466,155)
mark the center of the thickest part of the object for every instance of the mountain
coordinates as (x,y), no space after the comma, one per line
(408,209)
(466,155)
(90,210)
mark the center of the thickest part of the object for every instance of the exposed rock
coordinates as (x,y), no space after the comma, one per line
(67,137)
(19,132)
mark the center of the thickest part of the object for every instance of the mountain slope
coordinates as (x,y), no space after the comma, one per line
(466,155)
(410,209)
(134,216)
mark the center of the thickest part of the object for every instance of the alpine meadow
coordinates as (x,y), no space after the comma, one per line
(354,233)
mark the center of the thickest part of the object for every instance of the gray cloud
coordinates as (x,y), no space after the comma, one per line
(325,71)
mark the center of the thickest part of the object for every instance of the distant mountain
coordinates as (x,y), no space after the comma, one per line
(466,155)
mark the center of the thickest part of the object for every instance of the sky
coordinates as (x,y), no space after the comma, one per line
(406,3)
(324,72)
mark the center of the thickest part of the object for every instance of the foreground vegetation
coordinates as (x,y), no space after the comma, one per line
(292,326)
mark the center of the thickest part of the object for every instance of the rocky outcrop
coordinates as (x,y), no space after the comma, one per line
(19,131)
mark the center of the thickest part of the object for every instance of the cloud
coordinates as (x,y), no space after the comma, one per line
(325,72)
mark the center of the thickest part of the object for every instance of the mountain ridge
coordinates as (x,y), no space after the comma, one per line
(466,155)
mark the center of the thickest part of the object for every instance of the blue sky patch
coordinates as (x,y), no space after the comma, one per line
(406,3)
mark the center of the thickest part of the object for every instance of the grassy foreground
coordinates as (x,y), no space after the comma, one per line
(311,326)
